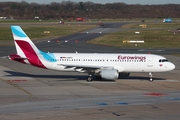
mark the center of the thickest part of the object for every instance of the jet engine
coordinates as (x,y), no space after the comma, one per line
(109,74)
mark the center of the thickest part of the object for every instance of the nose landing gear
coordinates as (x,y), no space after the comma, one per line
(151,77)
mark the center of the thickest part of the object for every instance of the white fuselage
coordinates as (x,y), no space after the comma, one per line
(120,62)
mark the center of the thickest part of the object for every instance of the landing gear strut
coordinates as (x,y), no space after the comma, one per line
(151,77)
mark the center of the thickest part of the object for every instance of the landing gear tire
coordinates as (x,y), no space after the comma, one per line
(89,79)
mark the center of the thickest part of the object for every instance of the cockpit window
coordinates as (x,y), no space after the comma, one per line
(163,60)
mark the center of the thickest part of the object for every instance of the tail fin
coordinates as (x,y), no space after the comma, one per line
(22,42)
(27,52)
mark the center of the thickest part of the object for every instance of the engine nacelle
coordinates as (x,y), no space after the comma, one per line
(109,74)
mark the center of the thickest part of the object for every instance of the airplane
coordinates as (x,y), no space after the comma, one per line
(97,65)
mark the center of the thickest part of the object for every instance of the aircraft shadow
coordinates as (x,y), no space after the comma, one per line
(140,78)
(20,74)
(74,77)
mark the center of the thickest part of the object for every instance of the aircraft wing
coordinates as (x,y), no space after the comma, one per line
(86,67)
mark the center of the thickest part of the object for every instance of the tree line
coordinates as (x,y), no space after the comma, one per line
(70,9)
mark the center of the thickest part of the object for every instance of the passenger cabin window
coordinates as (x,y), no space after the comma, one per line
(163,60)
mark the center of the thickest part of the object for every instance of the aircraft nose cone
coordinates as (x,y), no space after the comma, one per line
(172,66)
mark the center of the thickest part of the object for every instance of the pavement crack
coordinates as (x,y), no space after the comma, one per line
(155,107)
(18,87)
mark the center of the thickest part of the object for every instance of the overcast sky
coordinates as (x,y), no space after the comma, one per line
(105,1)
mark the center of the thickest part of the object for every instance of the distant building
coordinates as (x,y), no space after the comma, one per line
(36,18)
(3,17)
(167,20)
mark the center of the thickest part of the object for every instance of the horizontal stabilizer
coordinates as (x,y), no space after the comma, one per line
(20,58)
(16,57)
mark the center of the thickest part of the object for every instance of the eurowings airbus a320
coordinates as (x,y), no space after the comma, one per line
(104,66)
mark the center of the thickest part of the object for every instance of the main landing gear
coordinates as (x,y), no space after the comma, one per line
(90,78)
(93,77)
(151,77)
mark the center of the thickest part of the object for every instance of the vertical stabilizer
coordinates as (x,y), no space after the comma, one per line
(22,42)
(27,52)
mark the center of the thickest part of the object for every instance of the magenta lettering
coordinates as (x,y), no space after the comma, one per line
(122,57)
